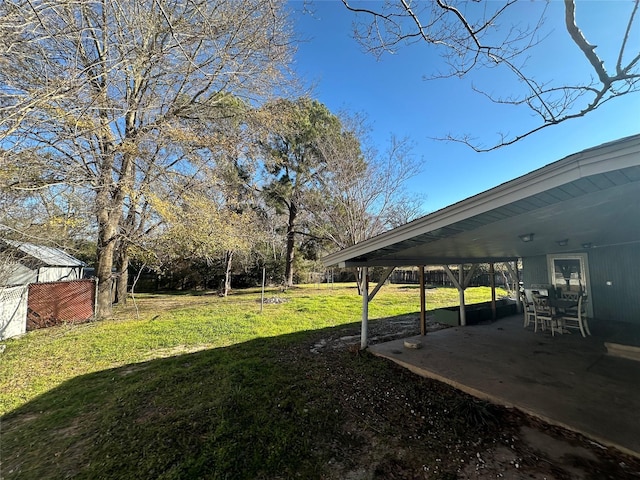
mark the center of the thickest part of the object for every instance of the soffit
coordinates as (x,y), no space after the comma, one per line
(582,200)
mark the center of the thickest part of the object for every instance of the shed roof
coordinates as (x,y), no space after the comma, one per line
(590,198)
(51,256)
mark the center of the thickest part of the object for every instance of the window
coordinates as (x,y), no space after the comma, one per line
(569,273)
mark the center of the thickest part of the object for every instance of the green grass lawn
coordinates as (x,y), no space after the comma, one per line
(198,386)
(160,325)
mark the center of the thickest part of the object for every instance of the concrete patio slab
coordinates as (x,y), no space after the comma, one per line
(566,380)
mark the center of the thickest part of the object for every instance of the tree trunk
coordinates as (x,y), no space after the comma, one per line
(122,257)
(288,273)
(122,267)
(106,246)
(228,257)
(357,271)
(109,211)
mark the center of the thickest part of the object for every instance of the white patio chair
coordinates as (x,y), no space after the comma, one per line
(577,318)
(570,296)
(529,311)
(544,315)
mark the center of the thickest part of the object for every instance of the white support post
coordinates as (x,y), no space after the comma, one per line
(517,287)
(461,287)
(423,302)
(492,281)
(385,276)
(515,274)
(469,277)
(365,309)
(453,279)
(460,283)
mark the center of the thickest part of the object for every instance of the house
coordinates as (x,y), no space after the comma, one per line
(25,263)
(574,224)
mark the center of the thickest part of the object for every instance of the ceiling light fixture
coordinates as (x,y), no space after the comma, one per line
(563,243)
(586,245)
(527,237)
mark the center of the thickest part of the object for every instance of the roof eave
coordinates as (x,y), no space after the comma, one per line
(604,158)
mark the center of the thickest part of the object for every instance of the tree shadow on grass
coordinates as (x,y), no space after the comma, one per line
(266,408)
(205,414)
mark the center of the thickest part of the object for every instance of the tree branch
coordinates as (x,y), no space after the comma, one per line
(472,38)
(581,42)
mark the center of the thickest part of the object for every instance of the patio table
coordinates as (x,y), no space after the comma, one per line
(562,304)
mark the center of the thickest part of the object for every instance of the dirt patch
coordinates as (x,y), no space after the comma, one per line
(398,425)
(383,330)
(273,300)
(18,421)
(168,352)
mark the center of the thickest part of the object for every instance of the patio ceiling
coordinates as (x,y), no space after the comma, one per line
(591,199)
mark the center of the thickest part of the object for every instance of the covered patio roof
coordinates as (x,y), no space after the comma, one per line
(590,198)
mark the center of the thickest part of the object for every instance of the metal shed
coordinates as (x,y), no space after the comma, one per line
(27,263)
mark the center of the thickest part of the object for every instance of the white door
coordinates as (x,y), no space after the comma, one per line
(570,273)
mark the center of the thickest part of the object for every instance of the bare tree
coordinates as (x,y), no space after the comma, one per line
(96,91)
(474,35)
(363,191)
(58,216)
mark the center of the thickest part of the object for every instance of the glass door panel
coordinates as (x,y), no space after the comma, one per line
(569,275)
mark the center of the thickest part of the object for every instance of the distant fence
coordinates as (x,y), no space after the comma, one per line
(13,311)
(440,277)
(60,302)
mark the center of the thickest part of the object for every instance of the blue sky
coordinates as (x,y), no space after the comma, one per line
(397,100)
